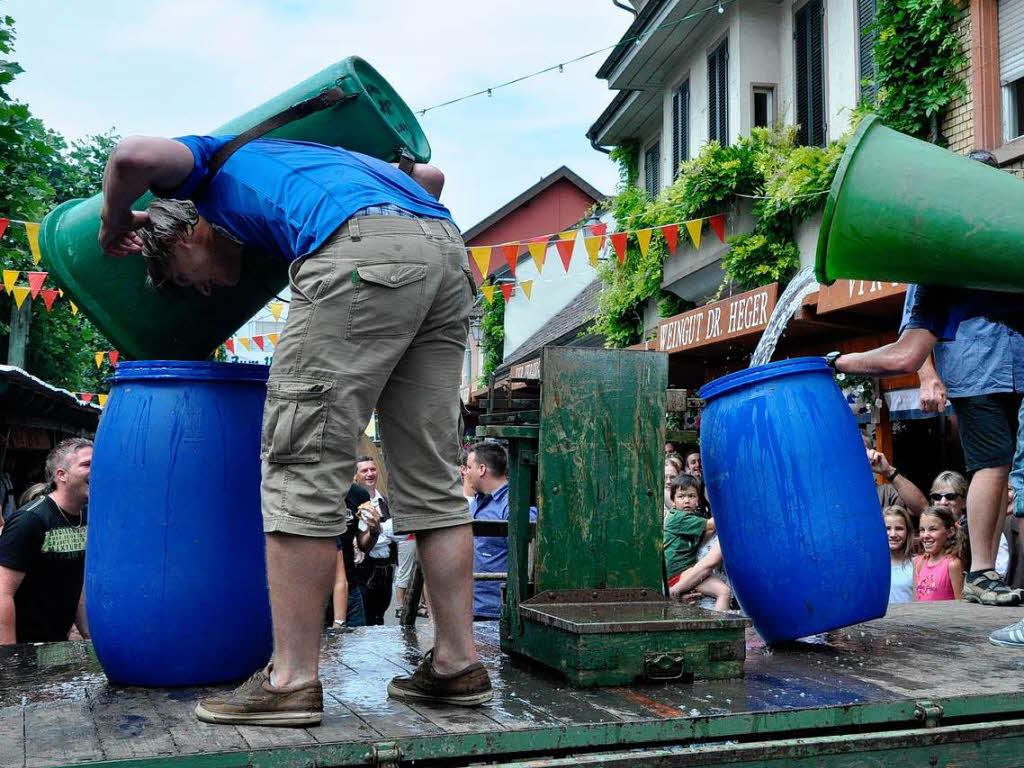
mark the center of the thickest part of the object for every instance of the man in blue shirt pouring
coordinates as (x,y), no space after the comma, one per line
(381,293)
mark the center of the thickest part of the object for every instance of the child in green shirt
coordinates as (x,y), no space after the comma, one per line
(685,530)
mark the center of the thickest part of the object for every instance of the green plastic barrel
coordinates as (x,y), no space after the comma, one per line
(143,324)
(906,211)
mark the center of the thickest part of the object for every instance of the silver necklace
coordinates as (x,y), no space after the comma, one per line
(66,520)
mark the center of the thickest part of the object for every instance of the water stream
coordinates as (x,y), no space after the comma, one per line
(803,283)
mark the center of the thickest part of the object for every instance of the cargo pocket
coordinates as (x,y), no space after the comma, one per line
(388,300)
(294,419)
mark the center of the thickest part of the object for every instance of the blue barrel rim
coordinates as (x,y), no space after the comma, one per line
(189,370)
(766,372)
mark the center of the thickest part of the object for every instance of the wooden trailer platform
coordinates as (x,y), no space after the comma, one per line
(919,687)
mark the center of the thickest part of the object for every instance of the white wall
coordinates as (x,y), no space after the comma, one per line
(760,59)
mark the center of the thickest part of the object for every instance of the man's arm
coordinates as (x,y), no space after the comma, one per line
(905,355)
(910,494)
(80,619)
(933,390)
(10,580)
(137,164)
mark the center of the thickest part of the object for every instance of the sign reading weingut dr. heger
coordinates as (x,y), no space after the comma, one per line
(740,315)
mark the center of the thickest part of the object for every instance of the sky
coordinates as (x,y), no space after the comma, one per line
(172,67)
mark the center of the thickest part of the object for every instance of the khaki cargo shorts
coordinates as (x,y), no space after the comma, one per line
(379,317)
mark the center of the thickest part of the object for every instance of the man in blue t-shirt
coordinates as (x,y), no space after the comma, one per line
(379,315)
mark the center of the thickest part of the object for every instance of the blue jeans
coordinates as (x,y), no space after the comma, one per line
(355,616)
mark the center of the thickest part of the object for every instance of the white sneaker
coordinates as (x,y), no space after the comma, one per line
(1010,637)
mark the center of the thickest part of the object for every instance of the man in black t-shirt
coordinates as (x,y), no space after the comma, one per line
(42,554)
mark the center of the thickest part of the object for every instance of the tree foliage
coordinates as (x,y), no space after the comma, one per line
(493,337)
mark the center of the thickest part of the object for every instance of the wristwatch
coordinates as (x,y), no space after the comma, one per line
(830,359)
(892,475)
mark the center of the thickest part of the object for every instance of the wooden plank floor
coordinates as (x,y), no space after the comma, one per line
(56,707)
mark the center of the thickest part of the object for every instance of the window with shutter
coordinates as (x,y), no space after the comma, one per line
(652,163)
(718,94)
(1011,66)
(866,49)
(680,126)
(809,80)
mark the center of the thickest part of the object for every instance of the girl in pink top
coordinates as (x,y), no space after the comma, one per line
(939,573)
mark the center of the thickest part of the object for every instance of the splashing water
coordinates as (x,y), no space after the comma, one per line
(803,283)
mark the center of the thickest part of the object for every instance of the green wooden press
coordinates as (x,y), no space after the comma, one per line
(588,447)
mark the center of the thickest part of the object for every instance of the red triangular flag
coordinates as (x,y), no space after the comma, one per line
(230,344)
(113,355)
(35,281)
(506,291)
(511,253)
(3,226)
(671,233)
(258,341)
(619,244)
(717,223)
(85,396)
(48,298)
(565,251)
(598,229)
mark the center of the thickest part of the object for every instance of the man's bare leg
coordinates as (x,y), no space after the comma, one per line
(446,556)
(300,573)
(985,515)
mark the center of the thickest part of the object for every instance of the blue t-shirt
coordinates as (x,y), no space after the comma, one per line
(287,197)
(941,310)
(490,553)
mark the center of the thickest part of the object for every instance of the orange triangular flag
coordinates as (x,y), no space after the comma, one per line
(482,257)
(506,291)
(511,253)
(643,237)
(671,235)
(598,229)
(258,341)
(565,251)
(114,355)
(49,295)
(717,223)
(275,308)
(98,357)
(103,400)
(20,292)
(527,286)
(538,248)
(74,307)
(86,397)
(35,281)
(593,245)
(693,227)
(488,293)
(10,278)
(619,244)
(32,230)
(230,344)
(244,341)
(3,226)
(273,338)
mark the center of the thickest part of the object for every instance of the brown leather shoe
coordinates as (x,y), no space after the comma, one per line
(256,702)
(469,687)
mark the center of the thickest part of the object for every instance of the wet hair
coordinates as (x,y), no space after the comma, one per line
(902,513)
(169,221)
(60,458)
(954,480)
(984,156)
(956,544)
(684,481)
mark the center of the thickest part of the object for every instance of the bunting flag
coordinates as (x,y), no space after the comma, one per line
(565,251)
(85,397)
(511,254)
(527,286)
(619,244)
(20,293)
(3,226)
(99,359)
(258,341)
(32,230)
(244,341)
(103,400)
(60,291)
(568,235)
(275,308)
(671,234)
(537,248)
(598,229)
(230,344)
(693,227)
(643,237)
(488,291)
(273,338)
(10,277)
(506,291)
(593,246)
(482,257)
(717,223)
(114,355)
(35,281)
(48,298)
(74,307)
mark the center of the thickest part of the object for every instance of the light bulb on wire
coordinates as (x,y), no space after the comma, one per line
(720,8)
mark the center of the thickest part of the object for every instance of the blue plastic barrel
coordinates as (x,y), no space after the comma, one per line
(175,579)
(793,500)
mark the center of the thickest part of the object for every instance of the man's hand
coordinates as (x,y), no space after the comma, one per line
(117,233)
(933,396)
(879,464)
(369,515)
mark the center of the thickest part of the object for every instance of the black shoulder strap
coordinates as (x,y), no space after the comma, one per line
(325,99)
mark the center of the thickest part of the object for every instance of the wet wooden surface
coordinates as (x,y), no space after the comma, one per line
(56,707)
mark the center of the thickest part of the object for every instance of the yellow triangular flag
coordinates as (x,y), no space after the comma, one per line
(593,245)
(74,308)
(643,236)
(99,359)
(527,286)
(693,227)
(537,251)
(32,230)
(488,293)
(60,292)
(103,400)
(482,256)
(10,278)
(244,341)
(275,308)
(571,235)
(273,338)
(20,292)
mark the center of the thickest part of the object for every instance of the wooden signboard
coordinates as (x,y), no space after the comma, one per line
(528,370)
(742,315)
(848,293)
